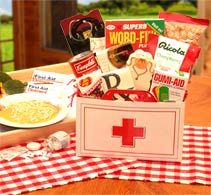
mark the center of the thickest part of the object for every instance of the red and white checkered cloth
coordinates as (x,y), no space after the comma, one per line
(20,175)
(195,166)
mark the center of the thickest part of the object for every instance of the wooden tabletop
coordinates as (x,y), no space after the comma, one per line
(197,112)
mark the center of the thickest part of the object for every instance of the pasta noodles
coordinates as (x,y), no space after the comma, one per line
(30,112)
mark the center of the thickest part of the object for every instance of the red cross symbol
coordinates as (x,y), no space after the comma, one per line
(128,132)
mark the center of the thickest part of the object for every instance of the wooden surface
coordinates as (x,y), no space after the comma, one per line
(25,75)
(15,137)
(197,112)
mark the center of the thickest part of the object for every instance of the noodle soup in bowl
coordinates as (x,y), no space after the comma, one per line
(29,111)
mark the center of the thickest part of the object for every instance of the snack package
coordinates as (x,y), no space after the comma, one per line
(114,57)
(135,31)
(172,54)
(141,66)
(183,28)
(89,84)
(79,28)
(96,84)
(169,85)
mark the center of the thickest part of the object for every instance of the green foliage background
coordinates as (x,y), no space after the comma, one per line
(139,8)
(6,32)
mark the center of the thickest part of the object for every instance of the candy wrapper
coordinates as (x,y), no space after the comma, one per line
(10,153)
(183,28)
(78,30)
(89,84)
(172,54)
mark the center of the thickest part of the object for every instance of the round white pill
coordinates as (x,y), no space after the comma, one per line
(33,146)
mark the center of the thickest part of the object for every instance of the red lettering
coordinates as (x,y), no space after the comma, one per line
(179,82)
(162,78)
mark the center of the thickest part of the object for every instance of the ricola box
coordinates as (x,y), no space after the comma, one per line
(134,31)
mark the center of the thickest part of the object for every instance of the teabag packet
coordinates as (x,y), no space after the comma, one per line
(79,28)
(183,28)
(172,54)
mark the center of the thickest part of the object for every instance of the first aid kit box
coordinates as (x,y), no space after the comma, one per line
(133,130)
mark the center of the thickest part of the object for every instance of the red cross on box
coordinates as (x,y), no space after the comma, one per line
(128,132)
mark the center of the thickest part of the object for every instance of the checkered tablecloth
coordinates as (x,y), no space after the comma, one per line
(22,175)
(195,166)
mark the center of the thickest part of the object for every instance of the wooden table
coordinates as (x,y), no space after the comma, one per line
(197,112)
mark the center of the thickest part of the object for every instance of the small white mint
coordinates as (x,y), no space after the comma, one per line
(33,146)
